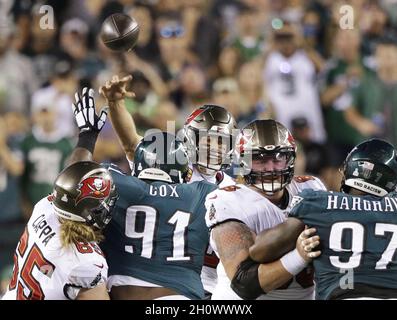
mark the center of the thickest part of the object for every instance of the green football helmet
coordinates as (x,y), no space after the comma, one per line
(160,156)
(371,167)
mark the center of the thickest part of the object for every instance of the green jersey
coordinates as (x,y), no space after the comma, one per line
(43,162)
(358,243)
(158,233)
(10,203)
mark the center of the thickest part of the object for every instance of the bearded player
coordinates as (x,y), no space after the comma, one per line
(235,214)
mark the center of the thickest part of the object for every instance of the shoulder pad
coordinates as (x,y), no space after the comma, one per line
(223,205)
(301,179)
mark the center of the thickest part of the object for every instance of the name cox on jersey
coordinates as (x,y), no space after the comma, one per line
(164,191)
(40,224)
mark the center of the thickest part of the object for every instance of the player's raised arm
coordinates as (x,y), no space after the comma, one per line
(115,92)
(89,123)
(272,243)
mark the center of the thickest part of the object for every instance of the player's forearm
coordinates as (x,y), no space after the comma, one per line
(85,147)
(97,293)
(124,125)
(13,165)
(272,276)
(272,243)
(79,154)
(331,93)
(356,120)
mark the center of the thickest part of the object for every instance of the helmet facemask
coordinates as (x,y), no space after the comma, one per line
(210,150)
(100,217)
(270,171)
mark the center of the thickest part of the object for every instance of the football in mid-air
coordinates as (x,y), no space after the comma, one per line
(120,32)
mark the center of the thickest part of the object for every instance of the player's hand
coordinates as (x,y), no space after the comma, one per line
(115,89)
(307,241)
(85,113)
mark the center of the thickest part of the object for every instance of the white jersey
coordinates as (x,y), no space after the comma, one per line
(290,83)
(300,183)
(258,213)
(43,270)
(208,273)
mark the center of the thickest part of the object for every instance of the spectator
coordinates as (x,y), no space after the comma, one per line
(175,54)
(42,49)
(373,109)
(74,42)
(147,47)
(17,81)
(343,73)
(249,41)
(60,95)
(229,62)
(193,88)
(11,168)
(45,151)
(226,12)
(290,81)
(143,106)
(203,33)
(226,93)
(313,32)
(254,103)
(374,24)
(316,155)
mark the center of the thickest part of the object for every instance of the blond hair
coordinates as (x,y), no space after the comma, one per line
(72,232)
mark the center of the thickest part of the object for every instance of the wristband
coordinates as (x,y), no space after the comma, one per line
(293,262)
(87,140)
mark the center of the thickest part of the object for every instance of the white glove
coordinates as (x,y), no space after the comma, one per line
(85,114)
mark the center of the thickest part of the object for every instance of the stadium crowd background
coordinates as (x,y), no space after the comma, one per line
(286,59)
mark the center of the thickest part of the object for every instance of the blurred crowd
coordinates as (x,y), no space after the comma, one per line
(292,60)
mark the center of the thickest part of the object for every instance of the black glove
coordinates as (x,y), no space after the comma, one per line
(85,114)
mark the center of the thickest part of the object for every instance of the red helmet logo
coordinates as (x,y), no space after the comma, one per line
(194,114)
(93,187)
(245,140)
(291,140)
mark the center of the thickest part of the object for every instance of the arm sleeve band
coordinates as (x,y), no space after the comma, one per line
(246,281)
(87,140)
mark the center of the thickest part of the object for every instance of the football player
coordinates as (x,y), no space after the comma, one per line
(235,214)
(156,242)
(209,134)
(58,256)
(357,227)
